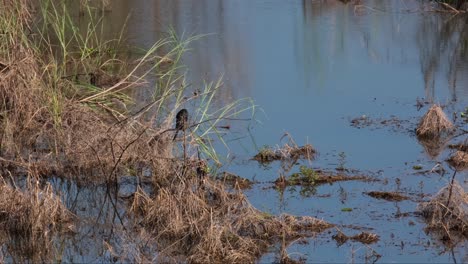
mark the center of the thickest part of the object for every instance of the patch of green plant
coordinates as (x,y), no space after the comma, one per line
(346,209)
(417,167)
(305,176)
(464,115)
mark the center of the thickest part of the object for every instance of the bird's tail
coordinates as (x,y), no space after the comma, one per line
(175,135)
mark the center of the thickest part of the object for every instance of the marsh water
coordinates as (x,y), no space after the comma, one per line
(312,67)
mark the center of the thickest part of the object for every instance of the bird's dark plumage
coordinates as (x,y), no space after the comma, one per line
(181,122)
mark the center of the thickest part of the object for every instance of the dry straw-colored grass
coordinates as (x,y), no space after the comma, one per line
(434,123)
(207,224)
(459,160)
(450,222)
(290,151)
(48,132)
(29,219)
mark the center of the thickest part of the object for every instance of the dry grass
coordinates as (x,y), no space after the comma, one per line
(287,152)
(53,126)
(29,219)
(363,237)
(448,222)
(234,181)
(207,224)
(434,124)
(459,160)
(459,146)
(310,177)
(45,127)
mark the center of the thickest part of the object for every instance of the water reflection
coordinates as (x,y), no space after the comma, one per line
(442,43)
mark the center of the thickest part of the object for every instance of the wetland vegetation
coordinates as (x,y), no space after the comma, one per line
(95,167)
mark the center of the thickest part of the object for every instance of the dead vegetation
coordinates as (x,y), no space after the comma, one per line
(234,181)
(389,196)
(446,214)
(459,160)
(363,237)
(30,218)
(71,127)
(287,152)
(459,146)
(207,224)
(434,124)
(310,177)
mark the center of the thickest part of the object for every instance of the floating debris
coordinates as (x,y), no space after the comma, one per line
(363,237)
(393,123)
(389,196)
(308,176)
(362,121)
(287,152)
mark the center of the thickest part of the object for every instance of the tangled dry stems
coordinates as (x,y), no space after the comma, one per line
(449,222)
(79,140)
(210,225)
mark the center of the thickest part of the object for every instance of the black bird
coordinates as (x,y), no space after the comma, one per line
(181,122)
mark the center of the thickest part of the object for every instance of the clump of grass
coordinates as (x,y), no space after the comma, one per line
(459,146)
(235,181)
(459,160)
(434,124)
(29,219)
(363,237)
(206,224)
(308,176)
(287,152)
(447,218)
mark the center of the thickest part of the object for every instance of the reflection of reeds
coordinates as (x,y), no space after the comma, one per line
(433,146)
(454,5)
